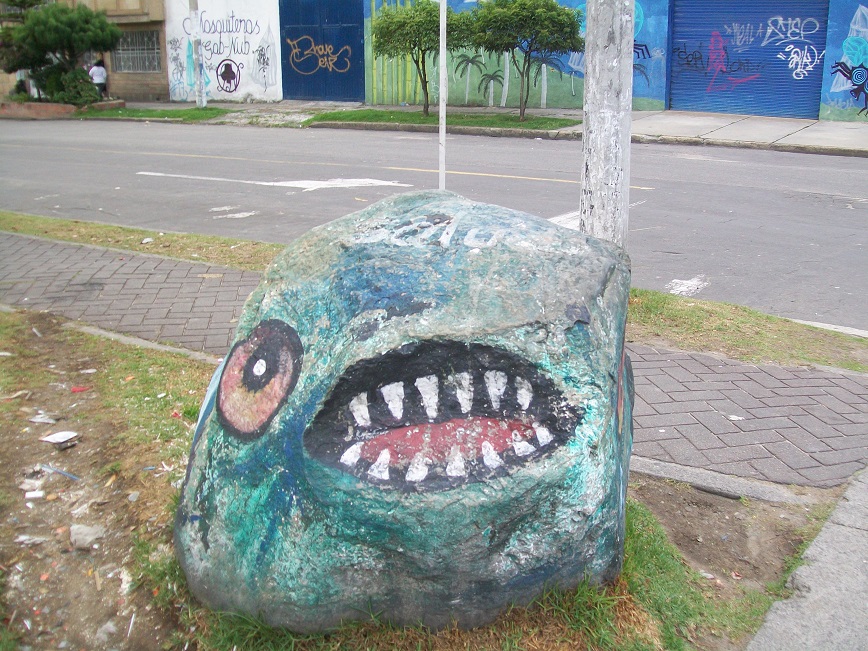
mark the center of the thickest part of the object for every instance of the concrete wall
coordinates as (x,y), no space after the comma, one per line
(241,55)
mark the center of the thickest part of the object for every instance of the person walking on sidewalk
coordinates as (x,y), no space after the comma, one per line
(99,76)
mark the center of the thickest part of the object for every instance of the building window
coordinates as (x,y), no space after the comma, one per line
(137,52)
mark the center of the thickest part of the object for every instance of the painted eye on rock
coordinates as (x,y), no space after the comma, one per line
(261,372)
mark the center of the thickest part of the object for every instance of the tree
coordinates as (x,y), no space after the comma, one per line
(13,15)
(51,41)
(530,30)
(414,31)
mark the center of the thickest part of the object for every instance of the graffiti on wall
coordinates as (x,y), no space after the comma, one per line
(307,56)
(237,53)
(738,53)
(851,71)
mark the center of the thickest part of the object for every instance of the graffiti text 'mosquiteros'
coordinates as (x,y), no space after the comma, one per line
(234,28)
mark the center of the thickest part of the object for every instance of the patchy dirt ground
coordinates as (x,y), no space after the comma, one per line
(63,593)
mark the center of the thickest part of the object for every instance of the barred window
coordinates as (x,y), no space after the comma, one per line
(138,51)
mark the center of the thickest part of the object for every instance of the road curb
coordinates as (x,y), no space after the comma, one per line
(565,134)
(455,130)
(718,483)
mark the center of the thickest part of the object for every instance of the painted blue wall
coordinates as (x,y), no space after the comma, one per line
(844,94)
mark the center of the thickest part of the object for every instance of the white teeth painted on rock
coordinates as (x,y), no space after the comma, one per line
(429,390)
(351,456)
(393,394)
(489,457)
(455,467)
(463,385)
(418,469)
(522,448)
(524,392)
(380,469)
(359,409)
(495,383)
(542,434)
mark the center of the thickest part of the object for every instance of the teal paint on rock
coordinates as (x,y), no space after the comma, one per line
(426,413)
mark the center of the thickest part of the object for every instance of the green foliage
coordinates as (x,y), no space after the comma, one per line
(50,42)
(534,32)
(414,30)
(76,88)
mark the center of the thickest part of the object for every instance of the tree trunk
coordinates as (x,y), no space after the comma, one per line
(605,172)
(421,68)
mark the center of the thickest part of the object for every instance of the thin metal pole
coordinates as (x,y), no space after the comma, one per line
(444,91)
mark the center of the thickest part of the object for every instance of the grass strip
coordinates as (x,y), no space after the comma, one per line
(211,249)
(490,120)
(654,318)
(739,332)
(187,116)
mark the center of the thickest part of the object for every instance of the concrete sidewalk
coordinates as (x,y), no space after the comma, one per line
(698,418)
(668,127)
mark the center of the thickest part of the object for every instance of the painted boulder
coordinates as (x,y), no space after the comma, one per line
(426,414)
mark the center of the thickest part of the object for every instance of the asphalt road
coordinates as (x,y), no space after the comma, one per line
(784,233)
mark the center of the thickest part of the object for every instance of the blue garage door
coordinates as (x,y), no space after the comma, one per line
(323,49)
(758,57)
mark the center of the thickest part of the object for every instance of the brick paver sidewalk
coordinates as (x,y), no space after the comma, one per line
(801,426)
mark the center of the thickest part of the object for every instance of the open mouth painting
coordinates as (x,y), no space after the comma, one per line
(426,413)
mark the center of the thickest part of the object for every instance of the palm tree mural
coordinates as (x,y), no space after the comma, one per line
(507,68)
(489,79)
(463,64)
(542,68)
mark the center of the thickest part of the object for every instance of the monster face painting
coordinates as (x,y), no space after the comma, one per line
(426,414)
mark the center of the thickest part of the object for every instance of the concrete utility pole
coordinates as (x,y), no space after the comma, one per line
(605,175)
(196,38)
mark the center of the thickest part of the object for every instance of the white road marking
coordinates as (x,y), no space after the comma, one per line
(687,287)
(237,215)
(223,208)
(307,186)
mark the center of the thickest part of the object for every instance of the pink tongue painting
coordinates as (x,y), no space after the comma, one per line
(436,441)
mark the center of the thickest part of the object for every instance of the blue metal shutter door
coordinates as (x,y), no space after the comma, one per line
(322,44)
(756,57)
